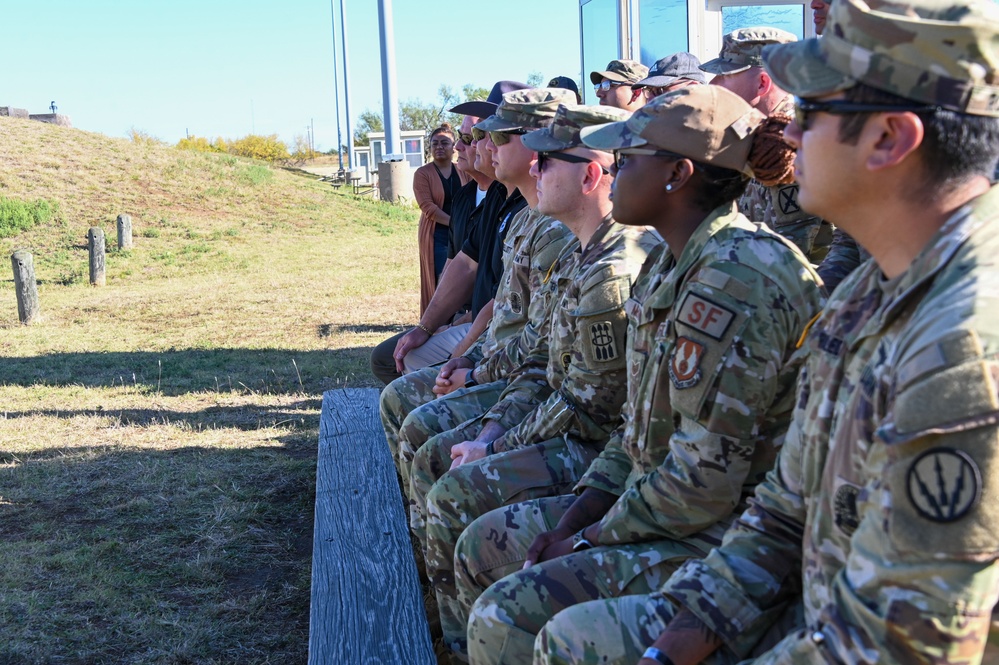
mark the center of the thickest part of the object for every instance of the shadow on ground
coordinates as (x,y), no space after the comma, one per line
(181,371)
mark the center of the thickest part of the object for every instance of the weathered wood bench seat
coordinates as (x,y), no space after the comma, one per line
(367,606)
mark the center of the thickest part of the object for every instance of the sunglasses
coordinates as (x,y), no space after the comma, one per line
(606,85)
(543,157)
(477,134)
(621,156)
(466,138)
(503,137)
(804,108)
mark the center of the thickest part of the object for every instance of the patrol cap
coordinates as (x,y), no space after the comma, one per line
(743,48)
(563,133)
(668,71)
(565,83)
(706,123)
(942,52)
(621,71)
(485,108)
(526,109)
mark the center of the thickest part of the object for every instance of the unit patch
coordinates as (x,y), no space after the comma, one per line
(685,363)
(944,484)
(602,341)
(701,314)
(845,507)
(787,198)
(566,361)
(516,302)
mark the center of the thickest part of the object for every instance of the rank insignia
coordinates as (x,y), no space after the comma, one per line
(944,484)
(685,363)
(603,341)
(516,302)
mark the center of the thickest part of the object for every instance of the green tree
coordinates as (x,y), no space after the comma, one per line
(535,80)
(419,114)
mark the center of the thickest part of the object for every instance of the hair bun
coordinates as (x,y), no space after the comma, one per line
(771,156)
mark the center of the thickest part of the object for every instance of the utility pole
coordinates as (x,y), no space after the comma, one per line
(346,82)
(390,104)
(336,90)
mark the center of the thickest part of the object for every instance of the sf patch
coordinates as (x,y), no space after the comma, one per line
(787,198)
(603,342)
(701,314)
(685,363)
(516,302)
(944,484)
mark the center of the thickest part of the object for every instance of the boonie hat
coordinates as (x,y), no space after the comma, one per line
(526,109)
(743,48)
(668,71)
(621,71)
(485,108)
(563,133)
(930,51)
(705,123)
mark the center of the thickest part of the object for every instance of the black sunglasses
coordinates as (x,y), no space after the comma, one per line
(502,137)
(564,157)
(620,156)
(465,138)
(804,108)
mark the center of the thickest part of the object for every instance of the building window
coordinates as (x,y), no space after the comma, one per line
(785,17)
(377,148)
(662,29)
(599,29)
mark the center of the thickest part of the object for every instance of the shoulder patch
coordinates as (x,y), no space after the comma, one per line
(944,484)
(708,317)
(685,363)
(516,302)
(787,199)
(603,341)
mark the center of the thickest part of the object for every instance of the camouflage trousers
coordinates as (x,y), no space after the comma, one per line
(411,413)
(618,630)
(451,499)
(507,617)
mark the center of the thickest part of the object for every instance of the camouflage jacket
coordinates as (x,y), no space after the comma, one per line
(844,256)
(778,208)
(587,333)
(534,243)
(712,366)
(881,513)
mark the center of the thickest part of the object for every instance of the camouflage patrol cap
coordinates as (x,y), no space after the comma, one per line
(942,52)
(563,133)
(706,123)
(620,71)
(743,48)
(526,109)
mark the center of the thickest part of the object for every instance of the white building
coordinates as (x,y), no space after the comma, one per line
(366,158)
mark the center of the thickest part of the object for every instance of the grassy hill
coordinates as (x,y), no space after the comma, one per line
(157,435)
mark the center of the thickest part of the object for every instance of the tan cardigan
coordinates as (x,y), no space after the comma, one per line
(429,193)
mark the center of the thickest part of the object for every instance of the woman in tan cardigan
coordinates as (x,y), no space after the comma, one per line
(434,186)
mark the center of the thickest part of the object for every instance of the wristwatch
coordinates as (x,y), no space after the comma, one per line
(580,542)
(655,654)
(470,379)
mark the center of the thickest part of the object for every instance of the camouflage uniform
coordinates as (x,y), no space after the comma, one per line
(878,522)
(844,256)
(776,206)
(532,244)
(711,348)
(548,450)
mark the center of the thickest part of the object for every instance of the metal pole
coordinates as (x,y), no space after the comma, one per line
(336,90)
(390,103)
(346,82)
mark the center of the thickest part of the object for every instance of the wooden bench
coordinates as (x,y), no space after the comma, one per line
(367,606)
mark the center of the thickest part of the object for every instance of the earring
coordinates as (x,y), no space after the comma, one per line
(669,188)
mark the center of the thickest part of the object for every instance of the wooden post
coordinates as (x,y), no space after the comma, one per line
(25,286)
(95,241)
(124,232)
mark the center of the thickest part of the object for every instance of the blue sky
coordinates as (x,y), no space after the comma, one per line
(232,67)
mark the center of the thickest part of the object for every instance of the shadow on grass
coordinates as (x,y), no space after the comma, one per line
(189,555)
(178,372)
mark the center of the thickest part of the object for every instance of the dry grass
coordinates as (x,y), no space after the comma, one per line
(158,435)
